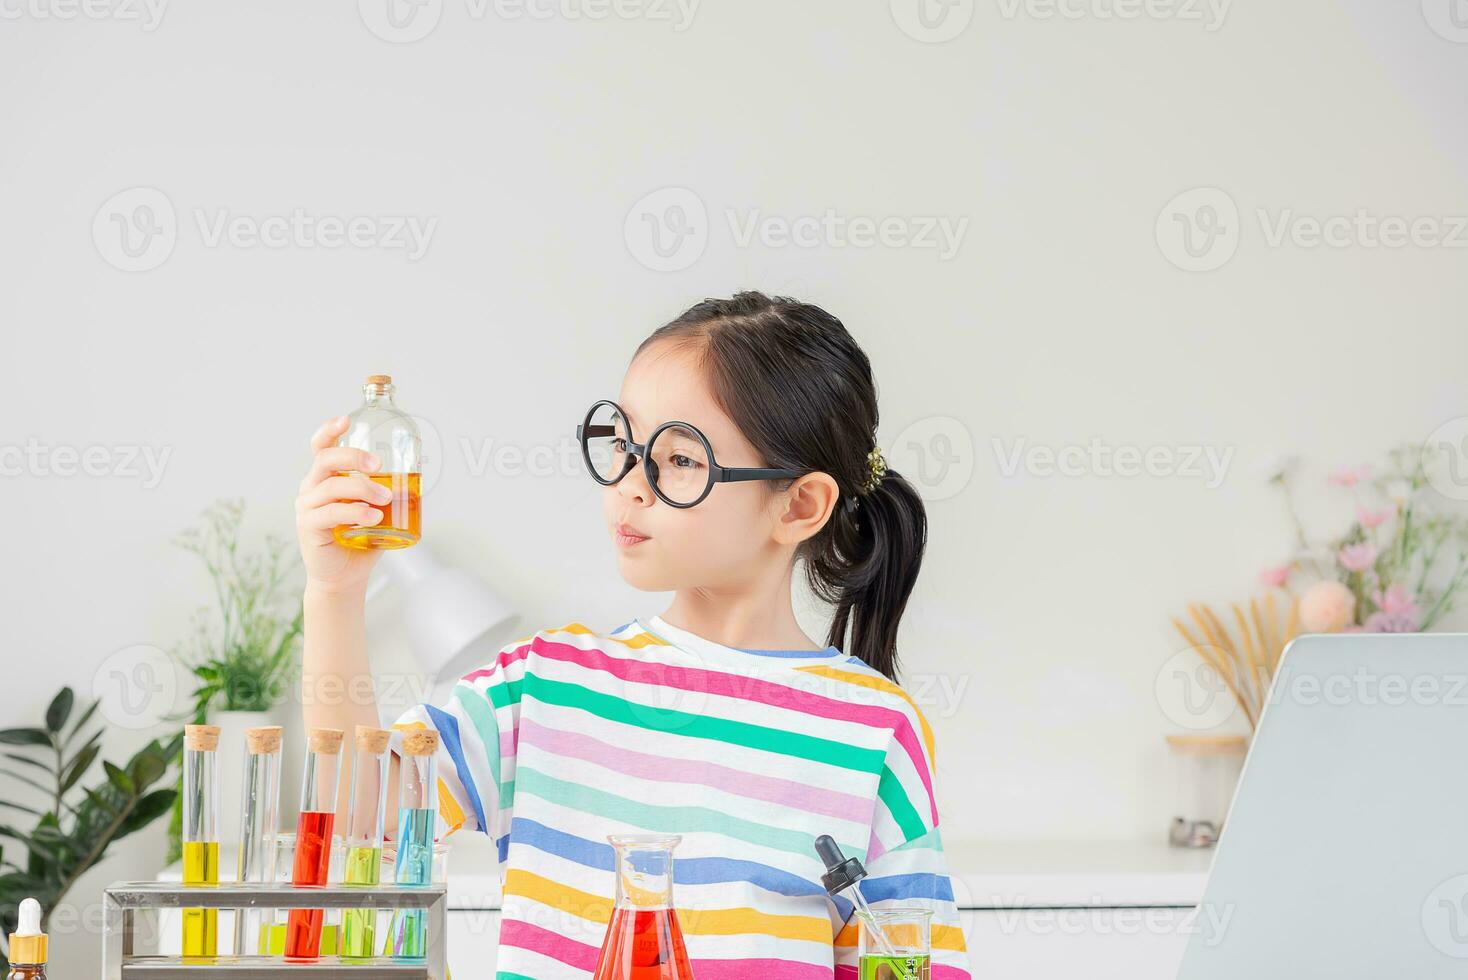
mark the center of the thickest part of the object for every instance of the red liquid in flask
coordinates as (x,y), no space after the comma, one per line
(313,861)
(643,944)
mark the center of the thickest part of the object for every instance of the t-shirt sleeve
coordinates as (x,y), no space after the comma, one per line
(477,727)
(905,861)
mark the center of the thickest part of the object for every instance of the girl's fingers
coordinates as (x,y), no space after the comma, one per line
(320,520)
(338,459)
(329,432)
(334,489)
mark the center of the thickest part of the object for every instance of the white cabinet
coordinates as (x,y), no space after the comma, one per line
(1031,910)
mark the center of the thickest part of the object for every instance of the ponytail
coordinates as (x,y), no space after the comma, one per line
(801,390)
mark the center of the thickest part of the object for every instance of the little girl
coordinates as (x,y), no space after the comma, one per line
(740,445)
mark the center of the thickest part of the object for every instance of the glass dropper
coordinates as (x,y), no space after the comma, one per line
(841,877)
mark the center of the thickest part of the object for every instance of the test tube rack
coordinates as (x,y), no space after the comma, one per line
(123,901)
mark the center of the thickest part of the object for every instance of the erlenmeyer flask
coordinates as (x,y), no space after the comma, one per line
(643,941)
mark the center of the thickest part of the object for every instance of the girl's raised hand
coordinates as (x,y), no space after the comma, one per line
(335,492)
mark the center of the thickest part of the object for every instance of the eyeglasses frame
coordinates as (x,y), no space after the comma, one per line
(717,473)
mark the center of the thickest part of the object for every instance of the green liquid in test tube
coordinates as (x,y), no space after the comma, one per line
(364,837)
(417,815)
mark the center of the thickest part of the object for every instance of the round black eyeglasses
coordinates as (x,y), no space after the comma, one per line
(677,458)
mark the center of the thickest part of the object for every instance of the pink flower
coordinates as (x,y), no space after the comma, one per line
(1396,600)
(1358,557)
(1387,622)
(1326,607)
(1372,518)
(1275,576)
(1349,476)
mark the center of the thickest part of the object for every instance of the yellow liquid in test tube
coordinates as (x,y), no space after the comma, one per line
(201,926)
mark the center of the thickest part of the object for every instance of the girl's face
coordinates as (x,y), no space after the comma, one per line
(733,535)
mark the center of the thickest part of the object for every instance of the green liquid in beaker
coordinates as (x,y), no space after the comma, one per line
(878,967)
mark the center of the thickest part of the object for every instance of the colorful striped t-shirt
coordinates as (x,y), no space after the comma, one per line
(570,736)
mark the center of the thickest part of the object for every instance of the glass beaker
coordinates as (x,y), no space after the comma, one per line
(643,940)
(390,434)
(908,929)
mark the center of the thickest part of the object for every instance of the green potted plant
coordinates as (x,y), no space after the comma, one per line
(243,648)
(78,823)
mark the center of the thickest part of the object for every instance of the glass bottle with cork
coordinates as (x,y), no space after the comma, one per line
(381,428)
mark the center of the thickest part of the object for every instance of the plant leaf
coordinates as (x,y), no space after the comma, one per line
(27,760)
(79,765)
(148,809)
(24,736)
(81,721)
(60,710)
(121,780)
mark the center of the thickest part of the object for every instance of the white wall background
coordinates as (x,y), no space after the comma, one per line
(1059,320)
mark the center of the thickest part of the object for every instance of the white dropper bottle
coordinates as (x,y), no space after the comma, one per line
(28,944)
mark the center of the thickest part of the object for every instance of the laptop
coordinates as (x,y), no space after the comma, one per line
(1345,853)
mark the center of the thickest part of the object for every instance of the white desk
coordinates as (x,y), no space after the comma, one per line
(1031,910)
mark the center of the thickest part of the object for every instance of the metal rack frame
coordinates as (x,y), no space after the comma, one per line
(124,900)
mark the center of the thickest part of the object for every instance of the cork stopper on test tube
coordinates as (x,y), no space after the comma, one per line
(420,741)
(264,740)
(201,738)
(327,741)
(372,740)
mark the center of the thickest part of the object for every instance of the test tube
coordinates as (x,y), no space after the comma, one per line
(417,814)
(319,783)
(259,827)
(364,835)
(201,834)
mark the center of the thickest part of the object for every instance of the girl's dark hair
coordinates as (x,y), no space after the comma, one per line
(801,391)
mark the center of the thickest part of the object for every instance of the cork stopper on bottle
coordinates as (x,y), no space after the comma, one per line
(373,740)
(379,379)
(420,741)
(201,738)
(264,740)
(327,741)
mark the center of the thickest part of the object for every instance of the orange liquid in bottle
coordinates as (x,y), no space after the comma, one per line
(402,516)
(643,944)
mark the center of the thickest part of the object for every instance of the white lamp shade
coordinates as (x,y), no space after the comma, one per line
(446,612)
